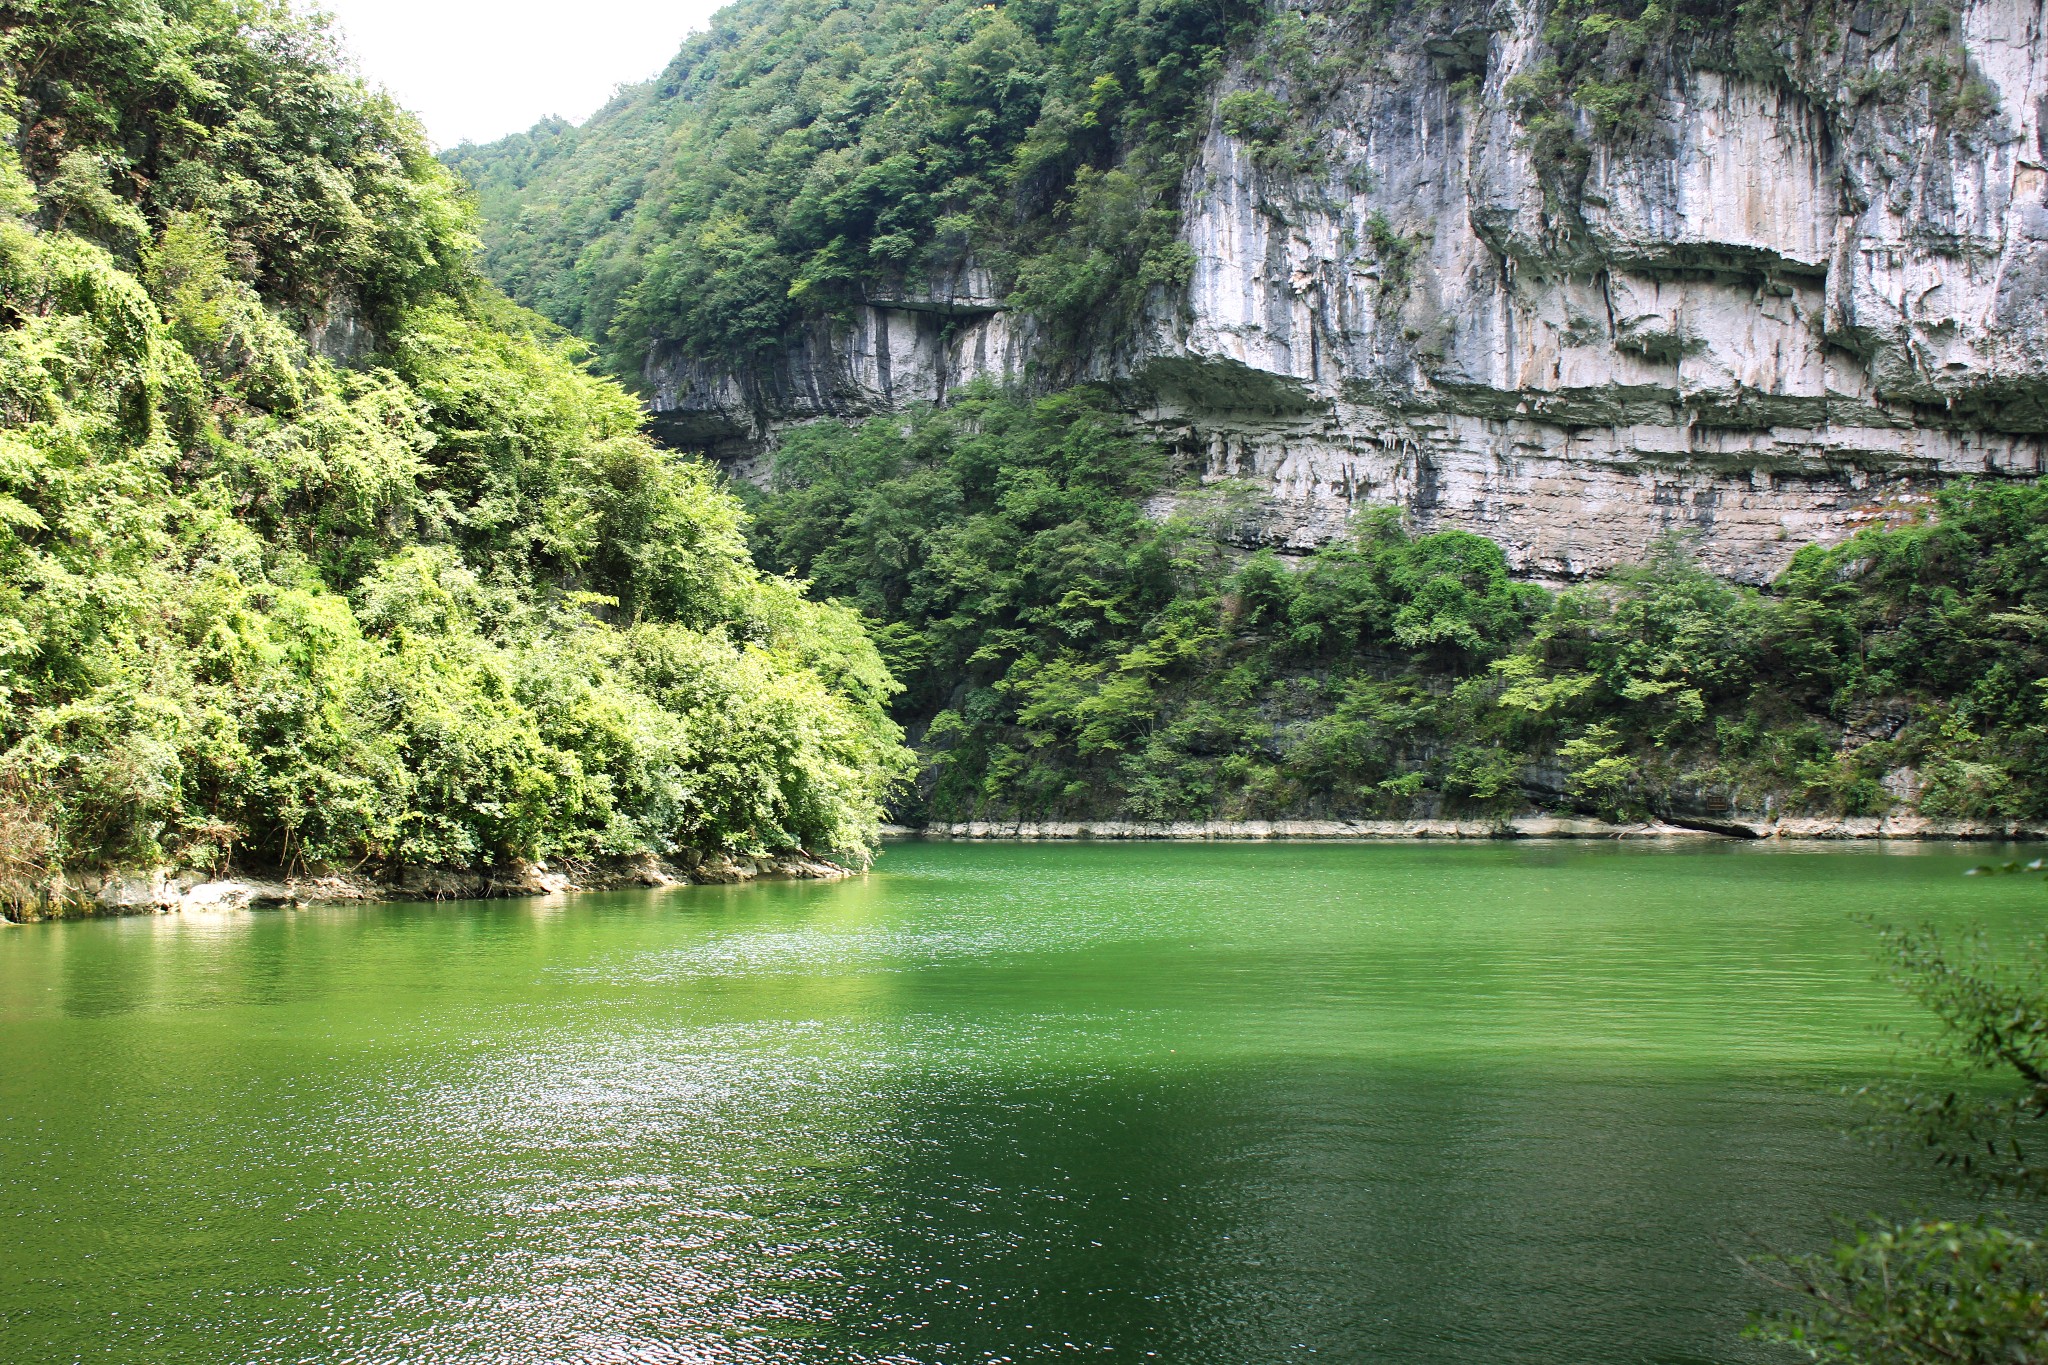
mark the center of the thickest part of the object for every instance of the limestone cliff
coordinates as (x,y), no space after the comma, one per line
(1781,311)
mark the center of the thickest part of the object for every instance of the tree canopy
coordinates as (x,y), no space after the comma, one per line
(316,550)
(1067,652)
(802,154)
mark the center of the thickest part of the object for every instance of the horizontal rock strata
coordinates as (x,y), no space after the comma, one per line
(1782,315)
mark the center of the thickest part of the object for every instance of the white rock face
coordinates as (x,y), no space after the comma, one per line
(1781,319)
(892,353)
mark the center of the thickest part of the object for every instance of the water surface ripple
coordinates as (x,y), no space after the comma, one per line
(1452,1105)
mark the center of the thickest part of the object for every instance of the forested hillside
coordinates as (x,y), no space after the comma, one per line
(1085,624)
(805,152)
(803,157)
(1065,654)
(314,550)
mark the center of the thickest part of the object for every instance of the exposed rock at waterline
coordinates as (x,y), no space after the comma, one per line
(166,891)
(1901,826)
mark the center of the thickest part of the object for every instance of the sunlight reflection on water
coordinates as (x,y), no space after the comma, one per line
(1192,1104)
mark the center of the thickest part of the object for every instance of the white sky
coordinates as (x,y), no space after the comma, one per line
(479,69)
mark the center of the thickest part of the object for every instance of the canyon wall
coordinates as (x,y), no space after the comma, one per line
(1789,309)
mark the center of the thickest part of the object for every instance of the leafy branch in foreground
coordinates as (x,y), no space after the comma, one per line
(1928,1290)
(1925,1290)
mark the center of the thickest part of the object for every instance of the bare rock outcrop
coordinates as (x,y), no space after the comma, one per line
(1788,311)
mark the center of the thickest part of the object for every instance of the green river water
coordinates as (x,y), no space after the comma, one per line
(1196,1103)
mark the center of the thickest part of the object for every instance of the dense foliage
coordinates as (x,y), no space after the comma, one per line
(805,154)
(1926,1290)
(132,111)
(1063,653)
(443,606)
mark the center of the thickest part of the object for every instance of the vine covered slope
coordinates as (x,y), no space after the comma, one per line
(317,552)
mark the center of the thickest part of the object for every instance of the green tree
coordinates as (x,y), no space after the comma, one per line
(427,598)
(1078,636)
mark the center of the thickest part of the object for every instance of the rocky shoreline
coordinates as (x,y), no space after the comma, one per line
(169,891)
(1518,827)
